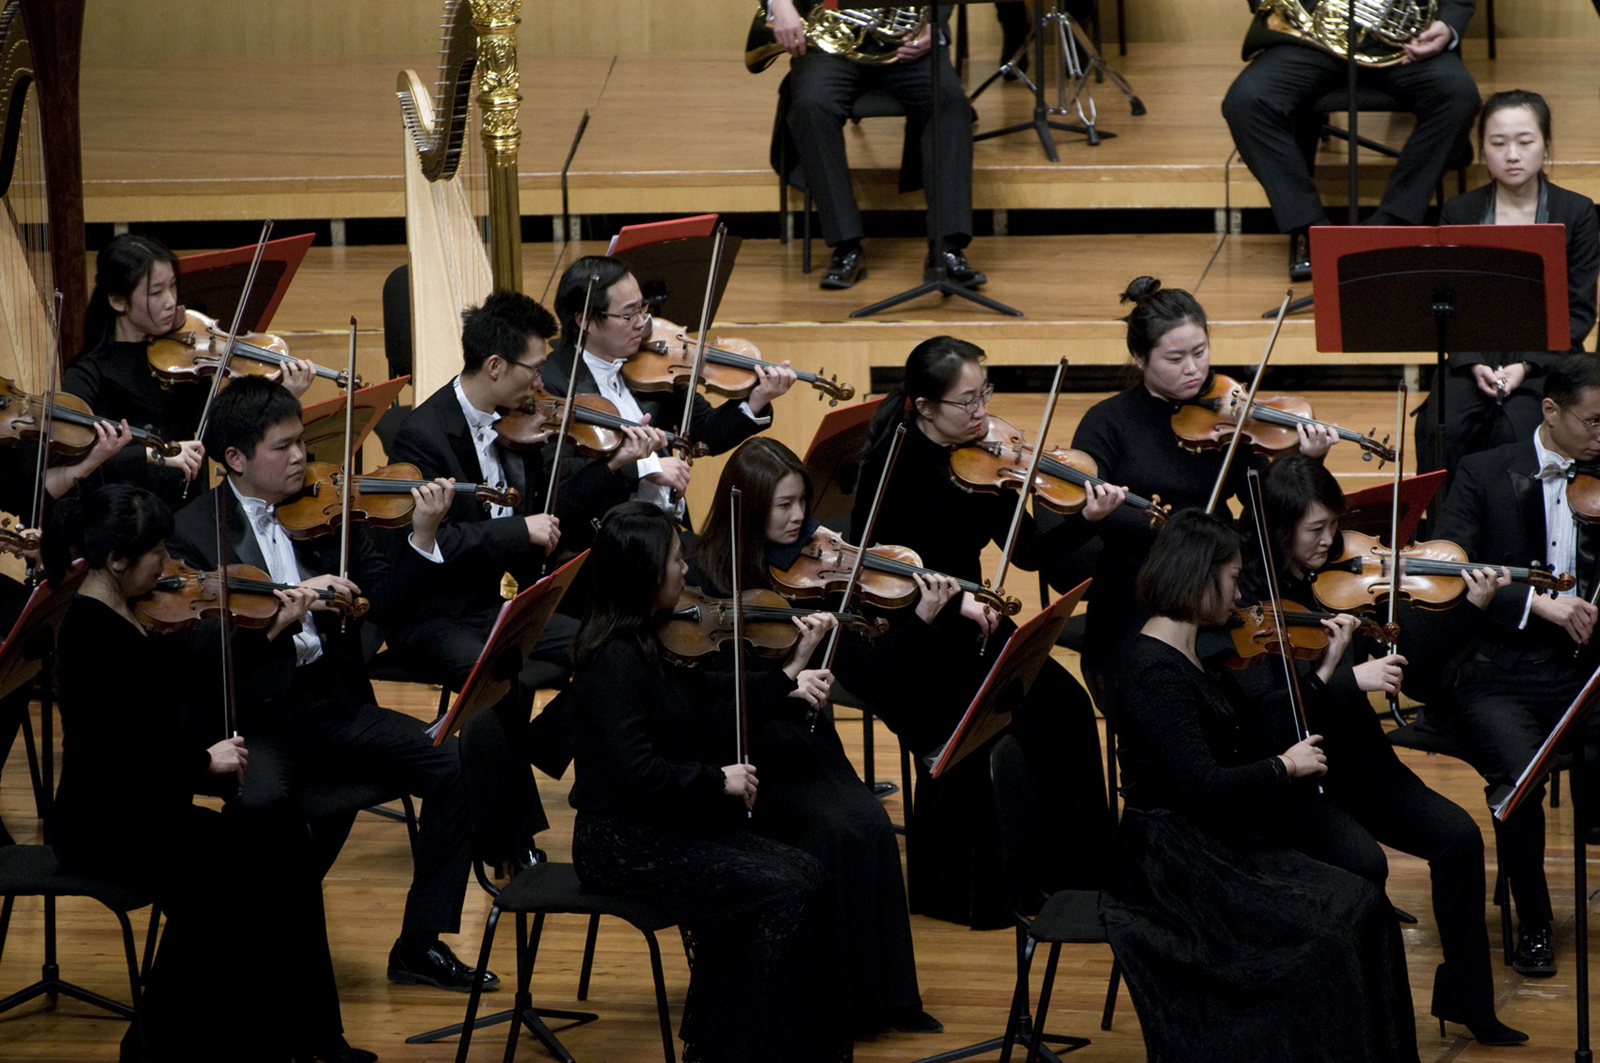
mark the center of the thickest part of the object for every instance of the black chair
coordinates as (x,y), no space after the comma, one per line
(33,871)
(1374,100)
(1062,917)
(545,889)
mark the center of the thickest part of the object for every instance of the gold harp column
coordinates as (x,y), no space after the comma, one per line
(499,93)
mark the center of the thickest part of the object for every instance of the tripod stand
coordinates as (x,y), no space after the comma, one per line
(1076,61)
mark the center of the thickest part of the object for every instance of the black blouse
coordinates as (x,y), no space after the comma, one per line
(116,382)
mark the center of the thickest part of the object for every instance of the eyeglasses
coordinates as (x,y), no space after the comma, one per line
(632,316)
(529,366)
(973,405)
(1592,424)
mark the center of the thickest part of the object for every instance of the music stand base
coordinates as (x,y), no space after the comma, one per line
(943,286)
(531,1017)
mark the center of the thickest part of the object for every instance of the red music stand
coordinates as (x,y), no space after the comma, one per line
(515,633)
(27,650)
(1367,510)
(213,281)
(1008,682)
(324,421)
(671,260)
(838,444)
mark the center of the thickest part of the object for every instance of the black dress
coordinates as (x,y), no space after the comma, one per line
(1236,949)
(653,822)
(124,810)
(952,844)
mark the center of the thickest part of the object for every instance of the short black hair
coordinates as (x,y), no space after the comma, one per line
(1571,376)
(503,325)
(1186,559)
(574,287)
(96,524)
(243,413)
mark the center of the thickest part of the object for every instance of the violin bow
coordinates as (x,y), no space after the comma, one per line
(349,470)
(1394,535)
(46,424)
(566,410)
(230,718)
(1027,485)
(227,347)
(741,704)
(1291,675)
(1249,400)
(705,324)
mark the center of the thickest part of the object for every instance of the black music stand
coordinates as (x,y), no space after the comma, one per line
(1452,287)
(1567,732)
(671,260)
(941,281)
(28,650)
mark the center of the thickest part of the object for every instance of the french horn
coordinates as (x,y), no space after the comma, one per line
(869,35)
(1382,26)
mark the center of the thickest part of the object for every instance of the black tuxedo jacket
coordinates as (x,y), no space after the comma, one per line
(1574,211)
(721,428)
(393,588)
(478,548)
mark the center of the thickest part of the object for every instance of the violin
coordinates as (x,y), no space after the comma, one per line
(593,429)
(381,497)
(826,560)
(1203,423)
(1583,493)
(18,541)
(184,596)
(72,423)
(1000,460)
(1430,575)
(193,351)
(1255,633)
(666,360)
(701,625)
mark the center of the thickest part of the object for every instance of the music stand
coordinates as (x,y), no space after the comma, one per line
(1007,683)
(941,281)
(29,649)
(1367,511)
(324,421)
(836,446)
(671,260)
(1451,287)
(212,282)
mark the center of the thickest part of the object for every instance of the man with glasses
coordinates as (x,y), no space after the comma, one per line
(619,321)
(452,434)
(1505,674)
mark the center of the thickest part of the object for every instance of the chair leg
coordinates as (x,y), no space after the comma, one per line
(1502,897)
(805,230)
(5,922)
(411,820)
(588,956)
(868,757)
(150,939)
(663,1012)
(1555,788)
(1044,1001)
(477,985)
(1018,1021)
(1112,986)
(134,977)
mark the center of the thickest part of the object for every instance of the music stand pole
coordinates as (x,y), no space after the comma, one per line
(941,281)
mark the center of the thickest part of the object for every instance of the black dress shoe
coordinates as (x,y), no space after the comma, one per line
(518,862)
(1300,255)
(436,966)
(340,1051)
(844,270)
(1535,956)
(1495,1032)
(956,269)
(907,1020)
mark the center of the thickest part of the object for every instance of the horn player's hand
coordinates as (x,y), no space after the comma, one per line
(1429,43)
(787,26)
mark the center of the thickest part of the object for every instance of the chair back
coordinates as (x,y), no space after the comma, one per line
(1016,811)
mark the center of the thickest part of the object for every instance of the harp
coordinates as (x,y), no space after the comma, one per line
(463,221)
(41,187)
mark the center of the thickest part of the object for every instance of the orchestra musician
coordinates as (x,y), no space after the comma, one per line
(811,796)
(309,707)
(135,300)
(1267,109)
(1506,673)
(452,434)
(1492,399)
(619,321)
(1369,797)
(1233,947)
(661,803)
(824,87)
(953,850)
(237,898)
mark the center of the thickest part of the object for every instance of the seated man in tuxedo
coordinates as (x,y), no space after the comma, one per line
(452,434)
(309,708)
(824,89)
(1267,110)
(619,320)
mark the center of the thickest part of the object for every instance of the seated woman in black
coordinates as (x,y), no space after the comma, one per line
(663,808)
(124,810)
(1234,948)
(1368,796)
(1493,398)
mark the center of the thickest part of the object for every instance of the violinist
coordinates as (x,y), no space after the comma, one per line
(1130,436)
(662,804)
(129,768)
(135,300)
(452,434)
(1369,797)
(955,871)
(619,321)
(1495,399)
(309,708)
(1234,947)
(1506,673)
(811,796)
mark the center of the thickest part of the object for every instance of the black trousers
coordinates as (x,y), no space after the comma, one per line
(1267,111)
(502,798)
(824,88)
(323,738)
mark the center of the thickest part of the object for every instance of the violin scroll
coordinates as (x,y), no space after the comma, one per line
(499,494)
(1544,581)
(19,541)
(830,387)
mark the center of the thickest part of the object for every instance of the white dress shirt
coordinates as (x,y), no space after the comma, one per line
(1560,527)
(485,440)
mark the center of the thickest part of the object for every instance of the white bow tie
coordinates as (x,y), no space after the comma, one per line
(1555,470)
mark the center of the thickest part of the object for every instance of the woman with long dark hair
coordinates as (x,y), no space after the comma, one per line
(663,807)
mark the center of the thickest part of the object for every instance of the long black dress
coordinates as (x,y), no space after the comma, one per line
(921,683)
(1236,949)
(124,810)
(653,822)
(117,383)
